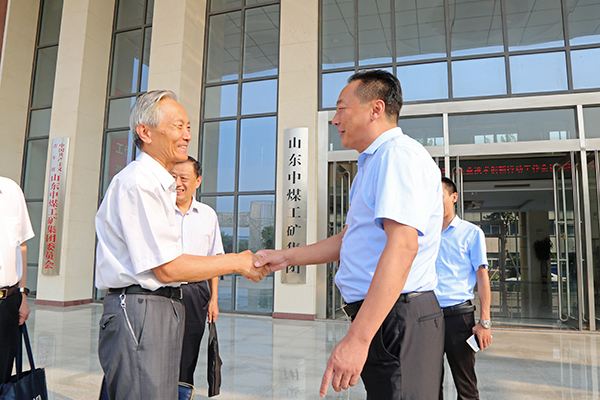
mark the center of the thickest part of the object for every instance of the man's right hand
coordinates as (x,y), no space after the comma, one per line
(247,268)
(274,259)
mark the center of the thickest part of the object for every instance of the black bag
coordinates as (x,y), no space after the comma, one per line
(214,362)
(29,384)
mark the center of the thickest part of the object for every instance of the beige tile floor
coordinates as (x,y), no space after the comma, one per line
(280,359)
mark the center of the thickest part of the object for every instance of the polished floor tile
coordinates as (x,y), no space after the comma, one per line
(265,358)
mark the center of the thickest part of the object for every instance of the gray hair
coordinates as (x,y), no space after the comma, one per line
(146,111)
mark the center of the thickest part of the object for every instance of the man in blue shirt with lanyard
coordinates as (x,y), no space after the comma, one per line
(462,262)
(387,251)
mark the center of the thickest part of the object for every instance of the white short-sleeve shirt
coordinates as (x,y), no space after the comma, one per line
(200,232)
(15,228)
(462,252)
(136,226)
(398,180)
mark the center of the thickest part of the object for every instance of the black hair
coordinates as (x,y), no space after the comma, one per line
(195,164)
(377,84)
(449,185)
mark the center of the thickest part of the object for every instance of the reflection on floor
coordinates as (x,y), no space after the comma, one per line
(280,359)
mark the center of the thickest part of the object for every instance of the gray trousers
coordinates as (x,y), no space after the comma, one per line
(141,358)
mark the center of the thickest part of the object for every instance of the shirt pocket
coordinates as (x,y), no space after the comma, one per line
(12,225)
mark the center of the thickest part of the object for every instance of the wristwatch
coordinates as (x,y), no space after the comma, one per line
(24,290)
(486,324)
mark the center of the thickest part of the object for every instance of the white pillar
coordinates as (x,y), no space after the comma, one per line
(78,108)
(298,107)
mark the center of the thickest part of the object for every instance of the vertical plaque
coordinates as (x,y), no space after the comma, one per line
(295,191)
(53,225)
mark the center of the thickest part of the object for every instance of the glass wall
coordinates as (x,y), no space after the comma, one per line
(38,125)
(455,49)
(127,80)
(239,136)
(518,126)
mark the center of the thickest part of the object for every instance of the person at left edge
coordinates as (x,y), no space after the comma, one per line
(15,230)
(201,236)
(139,258)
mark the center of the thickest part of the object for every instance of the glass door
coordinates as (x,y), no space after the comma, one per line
(568,241)
(341,175)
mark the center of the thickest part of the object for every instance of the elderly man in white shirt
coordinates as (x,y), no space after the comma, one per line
(201,236)
(139,258)
(15,229)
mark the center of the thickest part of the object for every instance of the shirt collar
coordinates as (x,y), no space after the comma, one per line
(453,223)
(164,177)
(193,207)
(381,139)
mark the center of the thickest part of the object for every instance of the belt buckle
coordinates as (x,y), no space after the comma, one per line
(3,293)
(178,292)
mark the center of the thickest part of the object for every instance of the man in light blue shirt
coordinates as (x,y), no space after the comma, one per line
(387,251)
(462,262)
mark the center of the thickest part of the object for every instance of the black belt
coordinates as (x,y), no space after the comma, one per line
(459,309)
(8,291)
(166,291)
(352,309)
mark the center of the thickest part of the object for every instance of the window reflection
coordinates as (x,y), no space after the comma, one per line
(475,27)
(254,297)
(118,112)
(542,72)
(256,218)
(420,30)
(221,101)
(126,63)
(218,5)
(35,168)
(39,122)
(584,24)
(218,156)
(130,13)
(45,71)
(259,97)
(479,77)
(257,154)
(428,131)
(558,124)
(223,47)
(374,32)
(332,86)
(261,41)
(424,81)
(115,155)
(534,24)
(338,33)
(223,206)
(591,121)
(50,22)
(585,67)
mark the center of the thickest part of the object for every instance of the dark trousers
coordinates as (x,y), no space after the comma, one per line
(195,299)
(9,333)
(461,357)
(405,359)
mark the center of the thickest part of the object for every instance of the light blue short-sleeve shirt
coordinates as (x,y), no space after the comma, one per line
(462,252)
(397,179)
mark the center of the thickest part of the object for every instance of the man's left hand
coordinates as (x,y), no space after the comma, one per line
(213,310)
(23,310)
(345,365)
(483,335)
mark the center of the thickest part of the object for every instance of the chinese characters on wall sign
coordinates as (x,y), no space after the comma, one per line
(295,191)
(55,206)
